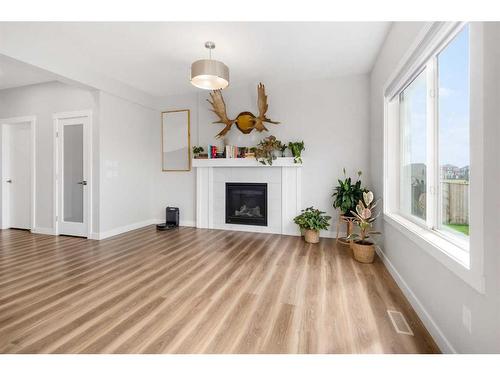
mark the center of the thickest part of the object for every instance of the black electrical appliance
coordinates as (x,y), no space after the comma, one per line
(171,219)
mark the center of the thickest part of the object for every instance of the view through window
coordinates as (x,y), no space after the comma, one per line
(413,112)
(454,114)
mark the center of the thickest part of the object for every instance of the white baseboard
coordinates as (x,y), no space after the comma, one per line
(182,223)
(330,234)
(123,229)
(128,228)
(94,236)
(187,223)
(39,230)
(422,313)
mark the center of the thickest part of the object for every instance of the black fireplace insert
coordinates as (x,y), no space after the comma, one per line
(246,203)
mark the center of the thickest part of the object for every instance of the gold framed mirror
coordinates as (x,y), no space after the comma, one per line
(175,141)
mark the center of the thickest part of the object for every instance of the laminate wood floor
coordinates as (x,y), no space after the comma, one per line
(196,291)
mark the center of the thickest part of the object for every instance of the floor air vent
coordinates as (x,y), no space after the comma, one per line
(399,322)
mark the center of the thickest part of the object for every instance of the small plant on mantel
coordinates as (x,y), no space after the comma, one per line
(296,148)
(312,221)
(197,150)
(266,150)
(362,247)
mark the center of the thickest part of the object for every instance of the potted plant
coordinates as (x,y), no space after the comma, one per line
(347,194)
(266,150)
(197,150)
(312,221)
(296,148)
(283,149)
(301,220)
(362,247)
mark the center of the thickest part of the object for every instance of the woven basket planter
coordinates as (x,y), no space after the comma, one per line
(311,236)
(363,253)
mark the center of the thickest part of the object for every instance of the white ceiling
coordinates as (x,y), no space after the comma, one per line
(14,73)
(155,57)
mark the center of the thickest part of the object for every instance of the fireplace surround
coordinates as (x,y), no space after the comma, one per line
(283,180)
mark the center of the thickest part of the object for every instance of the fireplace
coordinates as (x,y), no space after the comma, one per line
(246,203)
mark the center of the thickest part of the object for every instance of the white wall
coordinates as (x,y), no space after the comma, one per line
(331,116)
(42,101)
(126,156)
(440,292)
(130,156)
(176,189)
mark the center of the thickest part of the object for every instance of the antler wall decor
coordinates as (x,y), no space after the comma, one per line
(245,121)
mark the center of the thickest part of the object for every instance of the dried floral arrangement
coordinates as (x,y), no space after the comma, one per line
(266,150)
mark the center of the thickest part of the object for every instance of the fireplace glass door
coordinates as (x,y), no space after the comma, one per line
(246,203)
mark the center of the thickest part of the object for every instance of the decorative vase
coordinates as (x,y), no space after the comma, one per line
(363,252)
(277,154)
(311,236)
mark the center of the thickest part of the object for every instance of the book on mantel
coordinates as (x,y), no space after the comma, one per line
(215,152)
(236,152)
(232,152)
(228,152)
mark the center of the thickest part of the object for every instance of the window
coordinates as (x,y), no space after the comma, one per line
(454,115)
(434,175)
(413,123)
(433,126)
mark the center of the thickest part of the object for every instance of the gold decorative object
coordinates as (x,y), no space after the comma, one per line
(245,121)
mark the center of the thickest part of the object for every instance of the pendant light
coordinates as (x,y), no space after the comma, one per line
(209,74)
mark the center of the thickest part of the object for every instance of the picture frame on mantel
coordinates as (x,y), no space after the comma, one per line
(176,140)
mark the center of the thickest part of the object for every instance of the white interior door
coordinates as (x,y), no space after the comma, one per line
(17,176)
(72,176)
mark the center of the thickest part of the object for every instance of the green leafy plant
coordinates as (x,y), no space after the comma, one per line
(313,219)
(347,193)
(197,150)
(265,150)
(296,148)
(283,149)
(364,219)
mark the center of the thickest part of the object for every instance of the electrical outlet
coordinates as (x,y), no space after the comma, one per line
(467,318)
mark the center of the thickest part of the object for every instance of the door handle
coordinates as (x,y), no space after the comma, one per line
(9,181)
(84,183)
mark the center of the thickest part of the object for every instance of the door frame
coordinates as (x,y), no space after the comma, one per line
(32,125)
(87,154)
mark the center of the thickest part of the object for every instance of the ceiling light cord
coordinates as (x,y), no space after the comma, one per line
(210,46)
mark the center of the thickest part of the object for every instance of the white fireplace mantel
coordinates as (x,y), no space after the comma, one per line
(284,182)
(249,162)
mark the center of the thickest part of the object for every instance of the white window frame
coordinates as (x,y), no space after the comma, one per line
(464,258)
(415,219)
